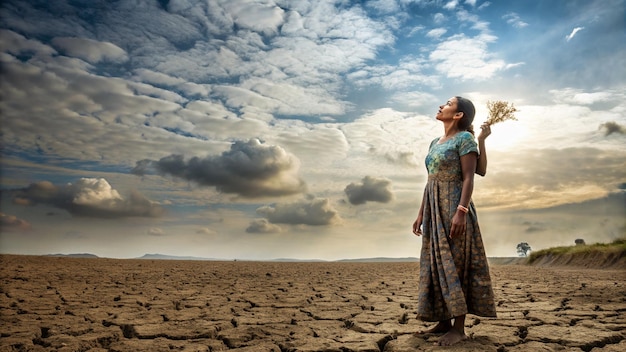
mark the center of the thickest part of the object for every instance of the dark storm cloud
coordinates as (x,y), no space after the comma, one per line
(88,197)
(313,211)
(250,169)
(370,189)
(612,127)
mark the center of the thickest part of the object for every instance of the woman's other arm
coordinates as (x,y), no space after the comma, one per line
(417,225)
(468,168)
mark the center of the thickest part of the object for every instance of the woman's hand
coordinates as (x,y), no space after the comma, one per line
(485,131)
(458,224)
(417,226)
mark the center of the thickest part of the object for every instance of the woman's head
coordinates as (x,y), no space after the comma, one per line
(465,106)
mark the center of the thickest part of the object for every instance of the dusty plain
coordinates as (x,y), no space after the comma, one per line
(99,304)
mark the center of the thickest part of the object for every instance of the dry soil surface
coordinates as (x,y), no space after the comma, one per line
(97,305)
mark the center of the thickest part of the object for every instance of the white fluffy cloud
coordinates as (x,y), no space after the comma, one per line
(260,16)
(466,58)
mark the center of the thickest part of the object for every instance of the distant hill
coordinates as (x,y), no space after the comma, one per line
(291,260)
(157,256)
(507,260)
(598,256)
(74,255)
(380,259)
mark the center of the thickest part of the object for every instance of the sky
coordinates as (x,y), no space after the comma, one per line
(264,129)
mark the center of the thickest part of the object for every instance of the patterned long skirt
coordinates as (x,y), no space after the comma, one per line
(454,273)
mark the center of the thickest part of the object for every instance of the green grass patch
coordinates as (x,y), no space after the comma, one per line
(616,246)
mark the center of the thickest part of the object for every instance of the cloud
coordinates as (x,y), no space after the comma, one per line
(383,134)
(161,79)
(475,22)
(579,97)
(384,6)
(415,99)
(407,73)
(401,158)
(534,226)
(288,61)
(324,143)
(85,95)
(17,44)
(262,226)
(89,197)
(206,231)
(261,17)
(313,211)
(90,50)
(612,127)
(595,220)
(370,189)
(466,58)
(551,176)
(155,231)
(439,18)
(250,169)
(573,33)
(13,224)
(280,97)
(451,5)
(436,33)
(514,20)
(91,113)
(245,78)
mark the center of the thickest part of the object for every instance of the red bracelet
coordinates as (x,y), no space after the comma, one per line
(462,208)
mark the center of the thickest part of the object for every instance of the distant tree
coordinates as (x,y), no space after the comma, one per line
(579,242)
(523,249)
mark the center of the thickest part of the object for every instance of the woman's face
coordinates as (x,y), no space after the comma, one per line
(448,110)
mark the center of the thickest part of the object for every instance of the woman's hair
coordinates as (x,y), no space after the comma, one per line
(466,106)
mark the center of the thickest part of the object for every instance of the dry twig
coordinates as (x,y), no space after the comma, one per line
(500,111)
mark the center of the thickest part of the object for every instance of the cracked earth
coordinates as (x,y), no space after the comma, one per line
(98,305)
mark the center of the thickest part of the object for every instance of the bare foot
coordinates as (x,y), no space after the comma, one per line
(451,337)
(440,328)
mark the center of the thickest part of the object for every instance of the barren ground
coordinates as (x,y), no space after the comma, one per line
(97,305)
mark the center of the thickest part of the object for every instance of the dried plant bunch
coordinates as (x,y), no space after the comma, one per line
(500,111)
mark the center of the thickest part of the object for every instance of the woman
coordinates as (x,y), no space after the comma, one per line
(454,273)
(481,166)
